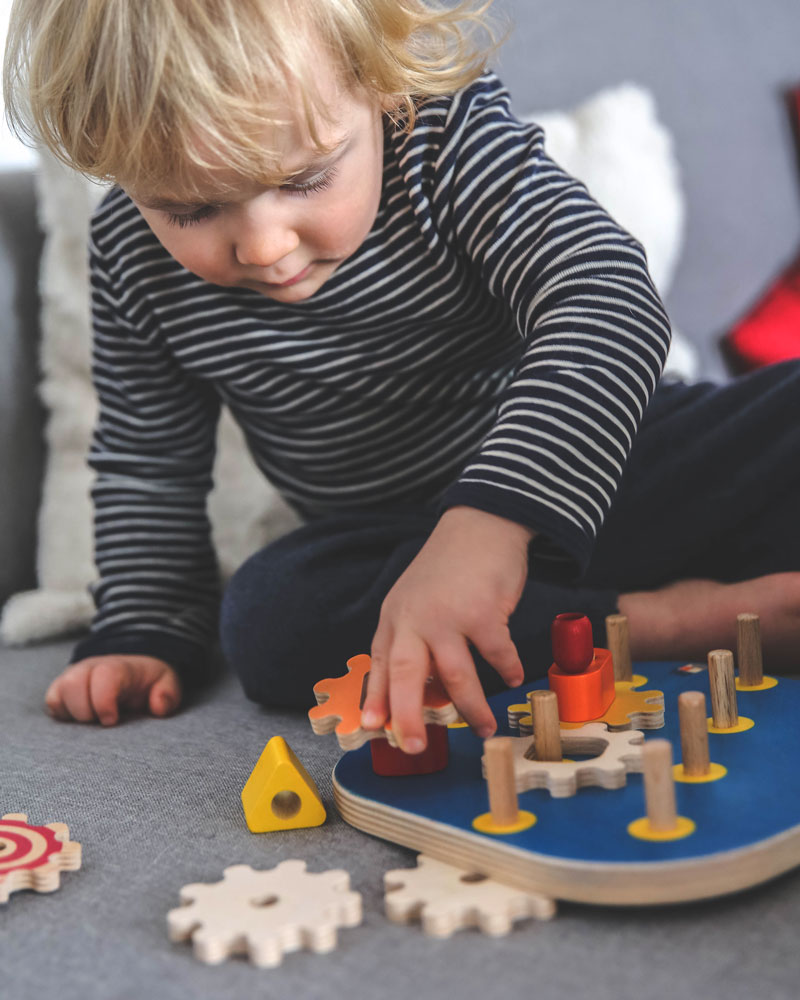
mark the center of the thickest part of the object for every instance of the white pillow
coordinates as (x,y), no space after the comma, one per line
(613,143)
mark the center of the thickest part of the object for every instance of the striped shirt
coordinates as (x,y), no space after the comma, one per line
(492,343)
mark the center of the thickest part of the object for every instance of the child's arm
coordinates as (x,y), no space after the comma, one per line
(593,338)
(462,587)
(98,688)
(153,446)
(592,330)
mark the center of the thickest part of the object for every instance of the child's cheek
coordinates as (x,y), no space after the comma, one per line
(344,230)
(203,257)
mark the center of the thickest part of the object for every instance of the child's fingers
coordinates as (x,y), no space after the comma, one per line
(408,668)
(165,694)
(54,701)
(108,683)
(456,670)
(375,710)
(497,648)
(75,695)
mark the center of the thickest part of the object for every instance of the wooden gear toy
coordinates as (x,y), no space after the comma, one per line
(339,701)
(339,710)
(33,857)
(612,756)
(447,899)
(265,914)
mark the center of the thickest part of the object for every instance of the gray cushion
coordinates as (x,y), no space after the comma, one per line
(21,448)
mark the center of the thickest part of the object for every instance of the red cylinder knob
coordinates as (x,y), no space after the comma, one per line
(573,645)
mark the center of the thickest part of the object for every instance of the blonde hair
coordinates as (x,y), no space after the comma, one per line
(141,91)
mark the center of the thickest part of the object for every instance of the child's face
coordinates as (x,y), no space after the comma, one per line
(283,242)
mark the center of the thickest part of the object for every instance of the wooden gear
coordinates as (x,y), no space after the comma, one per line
(447,899)
(339,701)
(615,755)
(33,857)
(265,914)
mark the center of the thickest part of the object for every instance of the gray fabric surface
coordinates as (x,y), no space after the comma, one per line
(155,804)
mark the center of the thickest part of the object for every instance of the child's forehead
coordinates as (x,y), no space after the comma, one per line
(205,174)
(292,127)
(198,185)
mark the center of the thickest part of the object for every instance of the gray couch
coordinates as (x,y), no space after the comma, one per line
(156,803)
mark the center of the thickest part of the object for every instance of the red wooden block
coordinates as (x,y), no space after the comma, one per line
(391,762)
(573,646)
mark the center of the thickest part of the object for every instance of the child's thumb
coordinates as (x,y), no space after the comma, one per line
(165,694)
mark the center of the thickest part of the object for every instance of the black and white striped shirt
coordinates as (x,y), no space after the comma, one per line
(493,342)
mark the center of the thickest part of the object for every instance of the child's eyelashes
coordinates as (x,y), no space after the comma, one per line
(192,218)
(319,183)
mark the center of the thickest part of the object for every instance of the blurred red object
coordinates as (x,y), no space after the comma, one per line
(770,332)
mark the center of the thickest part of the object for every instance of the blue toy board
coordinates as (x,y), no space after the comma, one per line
(747,823)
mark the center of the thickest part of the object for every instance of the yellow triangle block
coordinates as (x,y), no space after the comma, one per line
(280,794)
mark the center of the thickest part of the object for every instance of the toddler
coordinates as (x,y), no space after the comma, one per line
(442,352)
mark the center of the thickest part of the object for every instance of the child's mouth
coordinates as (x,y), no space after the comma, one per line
(292,281)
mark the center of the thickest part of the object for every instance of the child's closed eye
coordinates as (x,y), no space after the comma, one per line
(318,183)
(192,218)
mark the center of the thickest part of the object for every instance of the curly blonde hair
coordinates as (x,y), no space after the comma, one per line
(143,91)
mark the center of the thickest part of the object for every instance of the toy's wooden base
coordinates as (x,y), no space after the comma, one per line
(627,884)
(747,825)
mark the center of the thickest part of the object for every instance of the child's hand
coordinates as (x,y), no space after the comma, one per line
(461,588)
(95,689)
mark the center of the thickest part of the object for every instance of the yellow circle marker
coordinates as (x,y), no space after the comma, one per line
(485,824)
(765,685)
(641,829)
(457,725)
(715,772)
(741,726)
(636,681)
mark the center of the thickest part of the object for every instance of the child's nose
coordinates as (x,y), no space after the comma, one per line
(262,242)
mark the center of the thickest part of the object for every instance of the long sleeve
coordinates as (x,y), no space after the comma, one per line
(594,330)
(152,451)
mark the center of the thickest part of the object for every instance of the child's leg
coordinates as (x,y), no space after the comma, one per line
(706,521)
(296,611)
(694,507)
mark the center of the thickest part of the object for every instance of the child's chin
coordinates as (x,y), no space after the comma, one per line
(293,293)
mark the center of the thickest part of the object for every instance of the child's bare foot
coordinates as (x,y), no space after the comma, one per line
(687,619)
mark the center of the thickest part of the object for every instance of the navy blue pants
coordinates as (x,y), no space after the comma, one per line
(712,490)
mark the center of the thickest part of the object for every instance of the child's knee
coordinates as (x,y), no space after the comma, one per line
(260,617)
(277,633)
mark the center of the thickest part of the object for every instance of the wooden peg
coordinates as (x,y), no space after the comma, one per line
(751,668)
(618,639)
(723,689)
(694,733)
(503,803)
(659,785)
(546,728)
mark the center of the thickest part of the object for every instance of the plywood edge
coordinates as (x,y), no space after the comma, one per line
(604,883)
